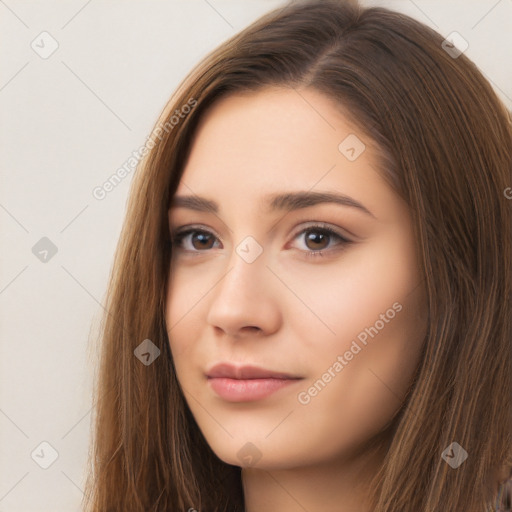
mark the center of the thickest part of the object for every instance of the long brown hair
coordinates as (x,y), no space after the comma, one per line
(445,141)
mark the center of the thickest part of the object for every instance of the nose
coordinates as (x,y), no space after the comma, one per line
(245,301)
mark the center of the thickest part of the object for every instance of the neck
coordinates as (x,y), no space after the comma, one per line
(339,485)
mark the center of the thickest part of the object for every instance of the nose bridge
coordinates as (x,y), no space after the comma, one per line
(246,265)
(243,295)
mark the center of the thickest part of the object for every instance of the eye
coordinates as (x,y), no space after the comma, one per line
(318,237)
(196,240)
(200,239)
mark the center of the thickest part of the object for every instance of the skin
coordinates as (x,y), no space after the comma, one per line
(292,313)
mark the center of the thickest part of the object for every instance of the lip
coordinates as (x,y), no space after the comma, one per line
(232,371)
(247,383)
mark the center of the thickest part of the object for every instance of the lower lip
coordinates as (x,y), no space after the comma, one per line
(248,390)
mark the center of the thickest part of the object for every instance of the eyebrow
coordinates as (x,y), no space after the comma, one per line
(283,201)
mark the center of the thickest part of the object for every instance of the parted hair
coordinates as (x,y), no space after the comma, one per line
(444,140)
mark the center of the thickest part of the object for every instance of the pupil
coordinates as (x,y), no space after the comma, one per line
(202,237)
(316,237)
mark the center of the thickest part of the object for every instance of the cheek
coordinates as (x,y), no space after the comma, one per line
(364,397)
(377,310)
(364,285)
(181,315)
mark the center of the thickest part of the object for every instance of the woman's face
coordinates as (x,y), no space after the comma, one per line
(250,287)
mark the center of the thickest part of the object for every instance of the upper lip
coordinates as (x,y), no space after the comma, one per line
(246,372)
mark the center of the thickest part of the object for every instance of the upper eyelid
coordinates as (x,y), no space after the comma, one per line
(187,228)
(192,227)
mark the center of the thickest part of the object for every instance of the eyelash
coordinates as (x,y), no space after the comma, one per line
(178,236)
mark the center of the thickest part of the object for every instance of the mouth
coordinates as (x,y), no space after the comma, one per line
(247,383)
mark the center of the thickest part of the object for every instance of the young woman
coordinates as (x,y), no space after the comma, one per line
(310,304)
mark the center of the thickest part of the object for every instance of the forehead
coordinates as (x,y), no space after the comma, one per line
(251,145)
(274,129)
